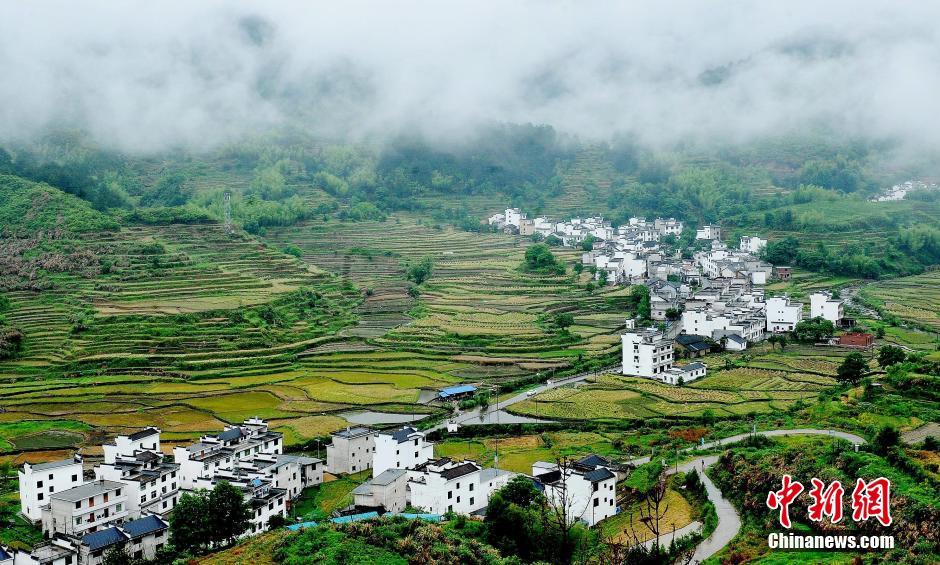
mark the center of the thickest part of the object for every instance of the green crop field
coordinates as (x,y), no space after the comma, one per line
(912,299)
(770,380)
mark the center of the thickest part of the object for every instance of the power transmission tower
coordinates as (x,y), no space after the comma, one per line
(228,213)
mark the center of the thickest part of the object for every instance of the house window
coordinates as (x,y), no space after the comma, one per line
(471,501)
(450,494)
(471,487)
(458,500)
(39,496)
(596,502)
(416,454)
(74,478)
(450,508)
(39,484)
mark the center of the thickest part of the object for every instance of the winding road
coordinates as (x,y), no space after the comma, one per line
(729,522)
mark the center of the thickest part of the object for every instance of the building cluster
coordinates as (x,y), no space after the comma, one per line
(126,499)
(406,474)
(900,191)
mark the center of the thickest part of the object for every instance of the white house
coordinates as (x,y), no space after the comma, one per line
(783,315)
(708,232)
(584,492)
(388,490)
(38,482)
(752,244)
(400,449)
(823,305)
(351,451)
(263,498)
(152,480)
(447,486)
(293,473)
(646,353)
(513,216)
(684,374)
(86,508)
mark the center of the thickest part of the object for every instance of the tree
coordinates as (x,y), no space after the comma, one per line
(813,330)
(852,369)
(512,522)
(539,259)
(641,294)
(563,321)
(890,355)
(229,514)
(588,243)
(578,268)
(420,271)
(886,438)
(189,523)
(117,555)
(602,277)
(673,314)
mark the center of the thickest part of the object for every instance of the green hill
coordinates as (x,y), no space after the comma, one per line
(29,207)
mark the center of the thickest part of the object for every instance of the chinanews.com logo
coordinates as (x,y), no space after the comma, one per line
(870,500)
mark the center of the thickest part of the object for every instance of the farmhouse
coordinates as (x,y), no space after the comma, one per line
(586,492)
(857,339)
(708,232)
(212,454)
(782,315)
(152,482)
(38,482)
(823,305)
(352,450)
(457,392)
(685,373)
(400,449)
(444,486)
(86,508)
(387,491)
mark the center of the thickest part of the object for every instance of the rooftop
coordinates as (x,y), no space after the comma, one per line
(401,435)
(146,432)
(458,389)
(55,464)
(87,490)
(104,538)
(350,433)
(144,526)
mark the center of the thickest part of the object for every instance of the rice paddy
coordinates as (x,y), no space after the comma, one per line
(187,328)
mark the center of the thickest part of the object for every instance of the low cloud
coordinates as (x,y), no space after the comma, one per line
(147,76)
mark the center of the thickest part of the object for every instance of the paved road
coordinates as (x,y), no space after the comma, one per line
(474,416)
(729,523)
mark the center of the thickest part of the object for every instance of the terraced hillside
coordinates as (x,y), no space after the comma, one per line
(770,381)
(586,185)
(913,299)
(478,313)
(185,327)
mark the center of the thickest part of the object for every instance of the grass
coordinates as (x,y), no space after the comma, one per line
(320,501)
(627,527)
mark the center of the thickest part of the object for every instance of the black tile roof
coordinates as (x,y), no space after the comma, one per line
(146,432)
(459,471)
(144,526)
(104,538)
(598,475)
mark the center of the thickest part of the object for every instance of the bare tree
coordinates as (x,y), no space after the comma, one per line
(559,513)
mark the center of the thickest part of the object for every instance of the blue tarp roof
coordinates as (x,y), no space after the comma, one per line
(459,389)
(425,517)
(301,526)
(355,517)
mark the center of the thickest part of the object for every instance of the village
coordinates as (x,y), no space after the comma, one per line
(704,298)
(125,501)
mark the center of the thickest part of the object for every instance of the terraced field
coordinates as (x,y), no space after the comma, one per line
(186,328)
(913,299)
(771,381)
(586,185)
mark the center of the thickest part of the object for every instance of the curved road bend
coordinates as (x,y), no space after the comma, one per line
(729,523)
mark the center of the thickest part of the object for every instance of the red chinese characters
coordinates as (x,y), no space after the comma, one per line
(783,498)
(872,500)
(826,501)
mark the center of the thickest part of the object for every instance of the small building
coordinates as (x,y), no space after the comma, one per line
(351,451)
(823,305)
(783,315)
(400,449)
(38,482)
(708,232)
(857,339)
(684,374)
(734,342)
(782,273)
(387,490)
(444,486)
(752,244)
(141,539)
(86,508)
(526,227)
(692,346)
(587,491)
(457,392)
